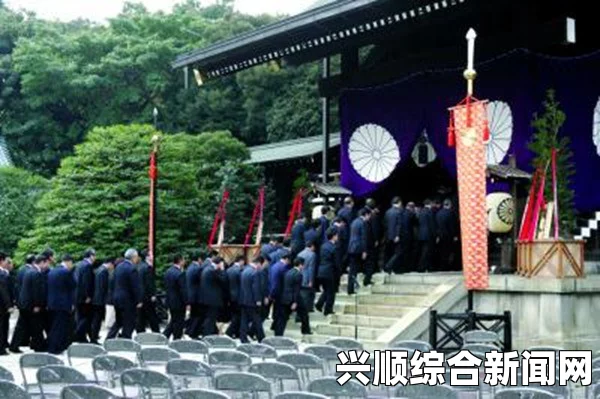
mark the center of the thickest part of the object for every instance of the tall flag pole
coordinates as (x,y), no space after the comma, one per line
(469,133)
(153,174)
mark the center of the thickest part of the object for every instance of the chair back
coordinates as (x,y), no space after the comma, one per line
(258,351)
(86,391)
(323,352)
(190,347)
(229,359)
(523,392)
(345,344)
(35,361)
(481,348)
(151,339)
(328,386)
(185,371)
(276,371)
(10,390)
(299,395)
(6,375)
(422,346)
(149,382)
(427,391)
(57,375)
(481,337)
(122,345)
(219,342)
(112,365)
(281,343)
(157,355)
(84,351)
(242,382)
(200,394)
(302,361)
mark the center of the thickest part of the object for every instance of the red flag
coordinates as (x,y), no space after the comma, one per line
(153,171)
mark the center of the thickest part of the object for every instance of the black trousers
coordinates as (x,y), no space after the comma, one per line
(278,318)
(302,314)
(84,322)
(124,321)
(209,325)
(250,320)
(194,327)
(446,252)
(233,330)
(308,297)
(370,265)
(4,323)
(327,298)
(355,263)
(22,333)
(147,316)
(58,338)
(176,323)
(425,256)
(37,323)
(98,315)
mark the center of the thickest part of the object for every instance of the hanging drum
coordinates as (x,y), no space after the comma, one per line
(596,131)
(373,152)
(501,212)
(501,130)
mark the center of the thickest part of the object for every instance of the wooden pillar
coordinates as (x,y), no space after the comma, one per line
(325,122)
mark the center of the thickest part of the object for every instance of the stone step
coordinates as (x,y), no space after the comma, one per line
(400,289)
(321,339)
(362,320)
(388,300)
(348,331)
(373,310)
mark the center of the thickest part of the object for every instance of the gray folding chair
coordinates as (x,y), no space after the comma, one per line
(259,351)
(6,375)
(149,384)
(523,392)
(10,390)
(299,395)
(157,356)
(589,390)
(281,343)
(304,363)
(32,362)
(596,363)
(427,392)
(240,382)
(190,347)
(188,374)
(556,390)
(200,394)
(83,351)
(219,342)
(277,372)
(422,346)
(86,391)
(123,347)
(112,366)
(345,344)
(327,353)
(151,339)
(328,386)
(51,379)
(481,337)
(481,348)
(229,359)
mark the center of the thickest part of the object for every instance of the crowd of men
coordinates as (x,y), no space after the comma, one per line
(63,303)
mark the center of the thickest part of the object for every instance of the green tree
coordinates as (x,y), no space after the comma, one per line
(19,192)
(547,136)
(99,196)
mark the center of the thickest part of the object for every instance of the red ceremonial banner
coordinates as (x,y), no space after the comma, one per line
(468,132)
(153,174)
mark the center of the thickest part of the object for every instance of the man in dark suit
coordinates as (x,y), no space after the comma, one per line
(341,252)
(447,225)
(177,299)
(291,299)
(61,294)
(427,237)
(147,314)
(192,276)
(323,224)
(269,247)
(251,299)
(22,332)
(33,298)
(6,301)
(101,297)
(212,286)
(374,232)
(357,247)
(234,273)
(309,259)
(326,273)
(347,212)
(283,247)
(127,295)
(297,235)
(391,223)
(84,276)
(276,273)
(263,276)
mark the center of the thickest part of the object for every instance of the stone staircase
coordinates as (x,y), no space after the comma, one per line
(395,307)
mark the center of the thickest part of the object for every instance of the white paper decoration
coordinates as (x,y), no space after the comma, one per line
(501,212)
(373,152)
(501,130)
(596,130)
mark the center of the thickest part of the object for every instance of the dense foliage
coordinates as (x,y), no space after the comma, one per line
(99,196)
(19,192)
(548,136)
(59,80)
